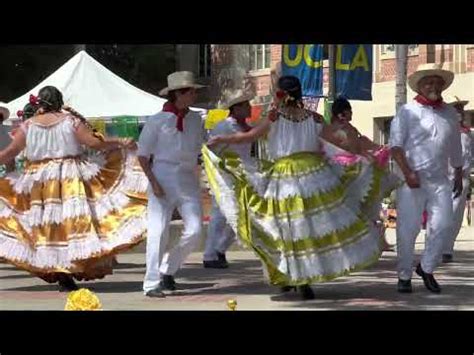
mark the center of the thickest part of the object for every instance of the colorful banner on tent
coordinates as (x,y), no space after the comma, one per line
(353,69)
(125,127)
(306,63)
(98,124)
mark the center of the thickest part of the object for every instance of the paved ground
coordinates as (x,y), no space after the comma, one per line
(205,289)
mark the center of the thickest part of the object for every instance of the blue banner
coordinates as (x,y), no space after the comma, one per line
(306,63)
(354,71)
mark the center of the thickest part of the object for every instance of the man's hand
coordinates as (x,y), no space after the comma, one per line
(157,189)
(412,179)
(129,143)
(215,140)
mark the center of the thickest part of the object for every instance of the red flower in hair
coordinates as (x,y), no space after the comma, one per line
(34,100)
(280,94)
(20,113)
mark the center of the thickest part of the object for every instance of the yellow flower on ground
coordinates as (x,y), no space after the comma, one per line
(82,300)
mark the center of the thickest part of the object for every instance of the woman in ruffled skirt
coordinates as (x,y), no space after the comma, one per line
(343,144)
(65,216)
(305,215)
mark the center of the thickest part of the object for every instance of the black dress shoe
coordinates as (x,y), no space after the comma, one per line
(288,288)
(66,283)
(448,258)
(428,280)
(214,264)
(306,292)
(404,286)
(156,293)
(221,257)
(168,283)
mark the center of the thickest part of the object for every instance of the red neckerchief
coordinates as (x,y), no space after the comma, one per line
(465,129)
(171,107)
(427,102)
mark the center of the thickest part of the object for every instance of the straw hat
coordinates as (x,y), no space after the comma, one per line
(454,101)
(430,69)
(180,80)
(236,97)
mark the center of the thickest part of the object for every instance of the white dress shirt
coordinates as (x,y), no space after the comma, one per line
(161,138)
(430,138)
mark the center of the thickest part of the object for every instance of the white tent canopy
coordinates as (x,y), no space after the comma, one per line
(94,91)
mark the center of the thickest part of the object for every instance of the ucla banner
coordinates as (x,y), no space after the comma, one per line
(354,71)
(306,63)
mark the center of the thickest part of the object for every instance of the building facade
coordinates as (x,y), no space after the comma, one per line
(257,66)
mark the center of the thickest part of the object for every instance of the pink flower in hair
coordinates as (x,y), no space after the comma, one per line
(34,100)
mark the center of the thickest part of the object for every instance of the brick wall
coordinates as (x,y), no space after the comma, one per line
(388,68)
(276,55)
(470,59)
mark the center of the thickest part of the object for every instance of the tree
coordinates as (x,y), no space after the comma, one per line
(79,47)
(144,66)
(232,64)
(23,67)
(401,52)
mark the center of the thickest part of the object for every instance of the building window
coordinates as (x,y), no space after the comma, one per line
(389,49)
(382,130)
(386,131)
(260,56)
(204,60)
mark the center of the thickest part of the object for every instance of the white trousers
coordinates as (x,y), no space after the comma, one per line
(434,196)
(182,191)
(220,235)
(459,206)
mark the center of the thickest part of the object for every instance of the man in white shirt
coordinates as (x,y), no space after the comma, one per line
(5,138)
(168,151)
(424,139)
(459,203)
(220,235)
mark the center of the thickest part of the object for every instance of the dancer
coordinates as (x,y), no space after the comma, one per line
(220,235)
(298,212)
(65,217)
(169,147)
(424,139)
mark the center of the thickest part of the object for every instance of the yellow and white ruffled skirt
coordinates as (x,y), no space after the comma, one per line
(308,220)
(72,215)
